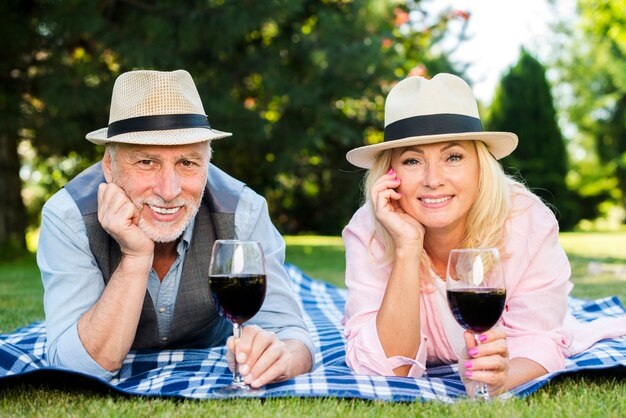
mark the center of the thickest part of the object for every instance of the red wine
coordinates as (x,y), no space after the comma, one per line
(239,297)
(476,310)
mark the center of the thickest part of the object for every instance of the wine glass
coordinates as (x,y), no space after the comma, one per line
(476,292)
(237,284)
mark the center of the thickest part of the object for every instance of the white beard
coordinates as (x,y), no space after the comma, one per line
(164,231)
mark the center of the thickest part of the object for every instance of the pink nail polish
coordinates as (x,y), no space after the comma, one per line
(397,180)
(468,373)
(468,364)
(390,172)
(482,338)
(473,352)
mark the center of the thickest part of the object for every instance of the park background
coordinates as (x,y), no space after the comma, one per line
(299,83)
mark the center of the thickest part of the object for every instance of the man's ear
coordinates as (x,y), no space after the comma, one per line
(106,166)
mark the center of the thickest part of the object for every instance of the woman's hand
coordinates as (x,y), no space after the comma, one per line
(403,228)
(487,362)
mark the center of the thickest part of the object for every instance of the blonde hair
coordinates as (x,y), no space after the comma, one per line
(486,216)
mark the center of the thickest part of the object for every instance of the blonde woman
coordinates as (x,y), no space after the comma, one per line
(435,184)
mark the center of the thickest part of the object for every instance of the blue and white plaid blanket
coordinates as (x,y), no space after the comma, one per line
(196,373)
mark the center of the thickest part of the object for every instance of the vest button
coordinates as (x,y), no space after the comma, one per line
(164,339)
(162,310)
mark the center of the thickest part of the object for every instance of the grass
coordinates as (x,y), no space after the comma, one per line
(588,395)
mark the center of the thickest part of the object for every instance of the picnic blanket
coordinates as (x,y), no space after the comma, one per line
(195,373)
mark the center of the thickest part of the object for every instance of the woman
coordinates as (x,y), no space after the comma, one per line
(435,184)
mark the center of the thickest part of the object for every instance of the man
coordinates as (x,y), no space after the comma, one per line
(124,248)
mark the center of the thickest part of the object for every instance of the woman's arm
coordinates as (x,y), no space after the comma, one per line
(367,280)
(522,370)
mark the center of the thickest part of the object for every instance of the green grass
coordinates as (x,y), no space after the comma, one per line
(584,395)
(320,257)
(607,249)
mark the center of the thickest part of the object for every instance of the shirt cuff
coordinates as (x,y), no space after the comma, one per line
(541,349)
(301,335)
(73,356)
(368,356)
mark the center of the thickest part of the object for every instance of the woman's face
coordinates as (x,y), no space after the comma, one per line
(439,183)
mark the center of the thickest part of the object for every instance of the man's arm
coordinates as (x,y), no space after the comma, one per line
(108,328)
(90,328)
(72,283)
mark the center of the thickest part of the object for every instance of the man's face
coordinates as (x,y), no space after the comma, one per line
(165,183)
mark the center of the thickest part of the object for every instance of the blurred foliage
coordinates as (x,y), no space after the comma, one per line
(523,104)
(20,39)
(591,63)
(298,82)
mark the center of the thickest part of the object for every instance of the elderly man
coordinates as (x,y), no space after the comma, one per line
(124,248)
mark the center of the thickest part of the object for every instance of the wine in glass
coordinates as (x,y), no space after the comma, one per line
(237,284)
(476,292)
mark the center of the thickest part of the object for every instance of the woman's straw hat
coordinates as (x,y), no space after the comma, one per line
(419,111)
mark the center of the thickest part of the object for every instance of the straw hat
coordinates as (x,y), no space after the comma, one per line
(419,111)
(156,108)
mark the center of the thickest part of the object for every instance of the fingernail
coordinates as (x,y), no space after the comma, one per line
(390,172)
(482,338)
(397,180)
(241,358)
(244,369)
(473,352)
(468,364)
(468,373)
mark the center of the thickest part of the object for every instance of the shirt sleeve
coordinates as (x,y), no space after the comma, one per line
(72,284)
(538,281)
(280,311)
(366,283)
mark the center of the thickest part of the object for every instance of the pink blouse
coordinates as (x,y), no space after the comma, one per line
(535,318)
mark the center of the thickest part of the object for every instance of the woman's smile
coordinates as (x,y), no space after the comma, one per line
(435,202)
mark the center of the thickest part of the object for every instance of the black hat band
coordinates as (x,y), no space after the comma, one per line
(157,123)
(439,124)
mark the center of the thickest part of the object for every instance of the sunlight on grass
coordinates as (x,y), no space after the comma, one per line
(595,245)
(598,263)
(321,257)
(313,240)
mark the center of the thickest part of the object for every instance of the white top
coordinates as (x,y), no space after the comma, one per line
(454,332)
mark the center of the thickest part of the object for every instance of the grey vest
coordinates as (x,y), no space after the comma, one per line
(196,322)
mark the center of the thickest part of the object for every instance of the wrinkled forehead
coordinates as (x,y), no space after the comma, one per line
(197,150)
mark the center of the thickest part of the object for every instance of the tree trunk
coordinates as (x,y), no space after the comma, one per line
(12,213)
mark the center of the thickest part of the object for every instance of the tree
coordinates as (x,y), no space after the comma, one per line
(591,63)
(298,82)
(523,104)
(15,59)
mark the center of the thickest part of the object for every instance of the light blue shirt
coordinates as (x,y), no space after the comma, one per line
(73,282)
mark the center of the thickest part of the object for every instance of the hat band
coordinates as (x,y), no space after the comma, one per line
(157,123)
(439,124)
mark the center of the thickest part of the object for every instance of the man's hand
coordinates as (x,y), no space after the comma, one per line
(119,217)
(263,358)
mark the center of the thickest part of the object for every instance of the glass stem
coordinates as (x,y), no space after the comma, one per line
(481,389)
(237,378)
